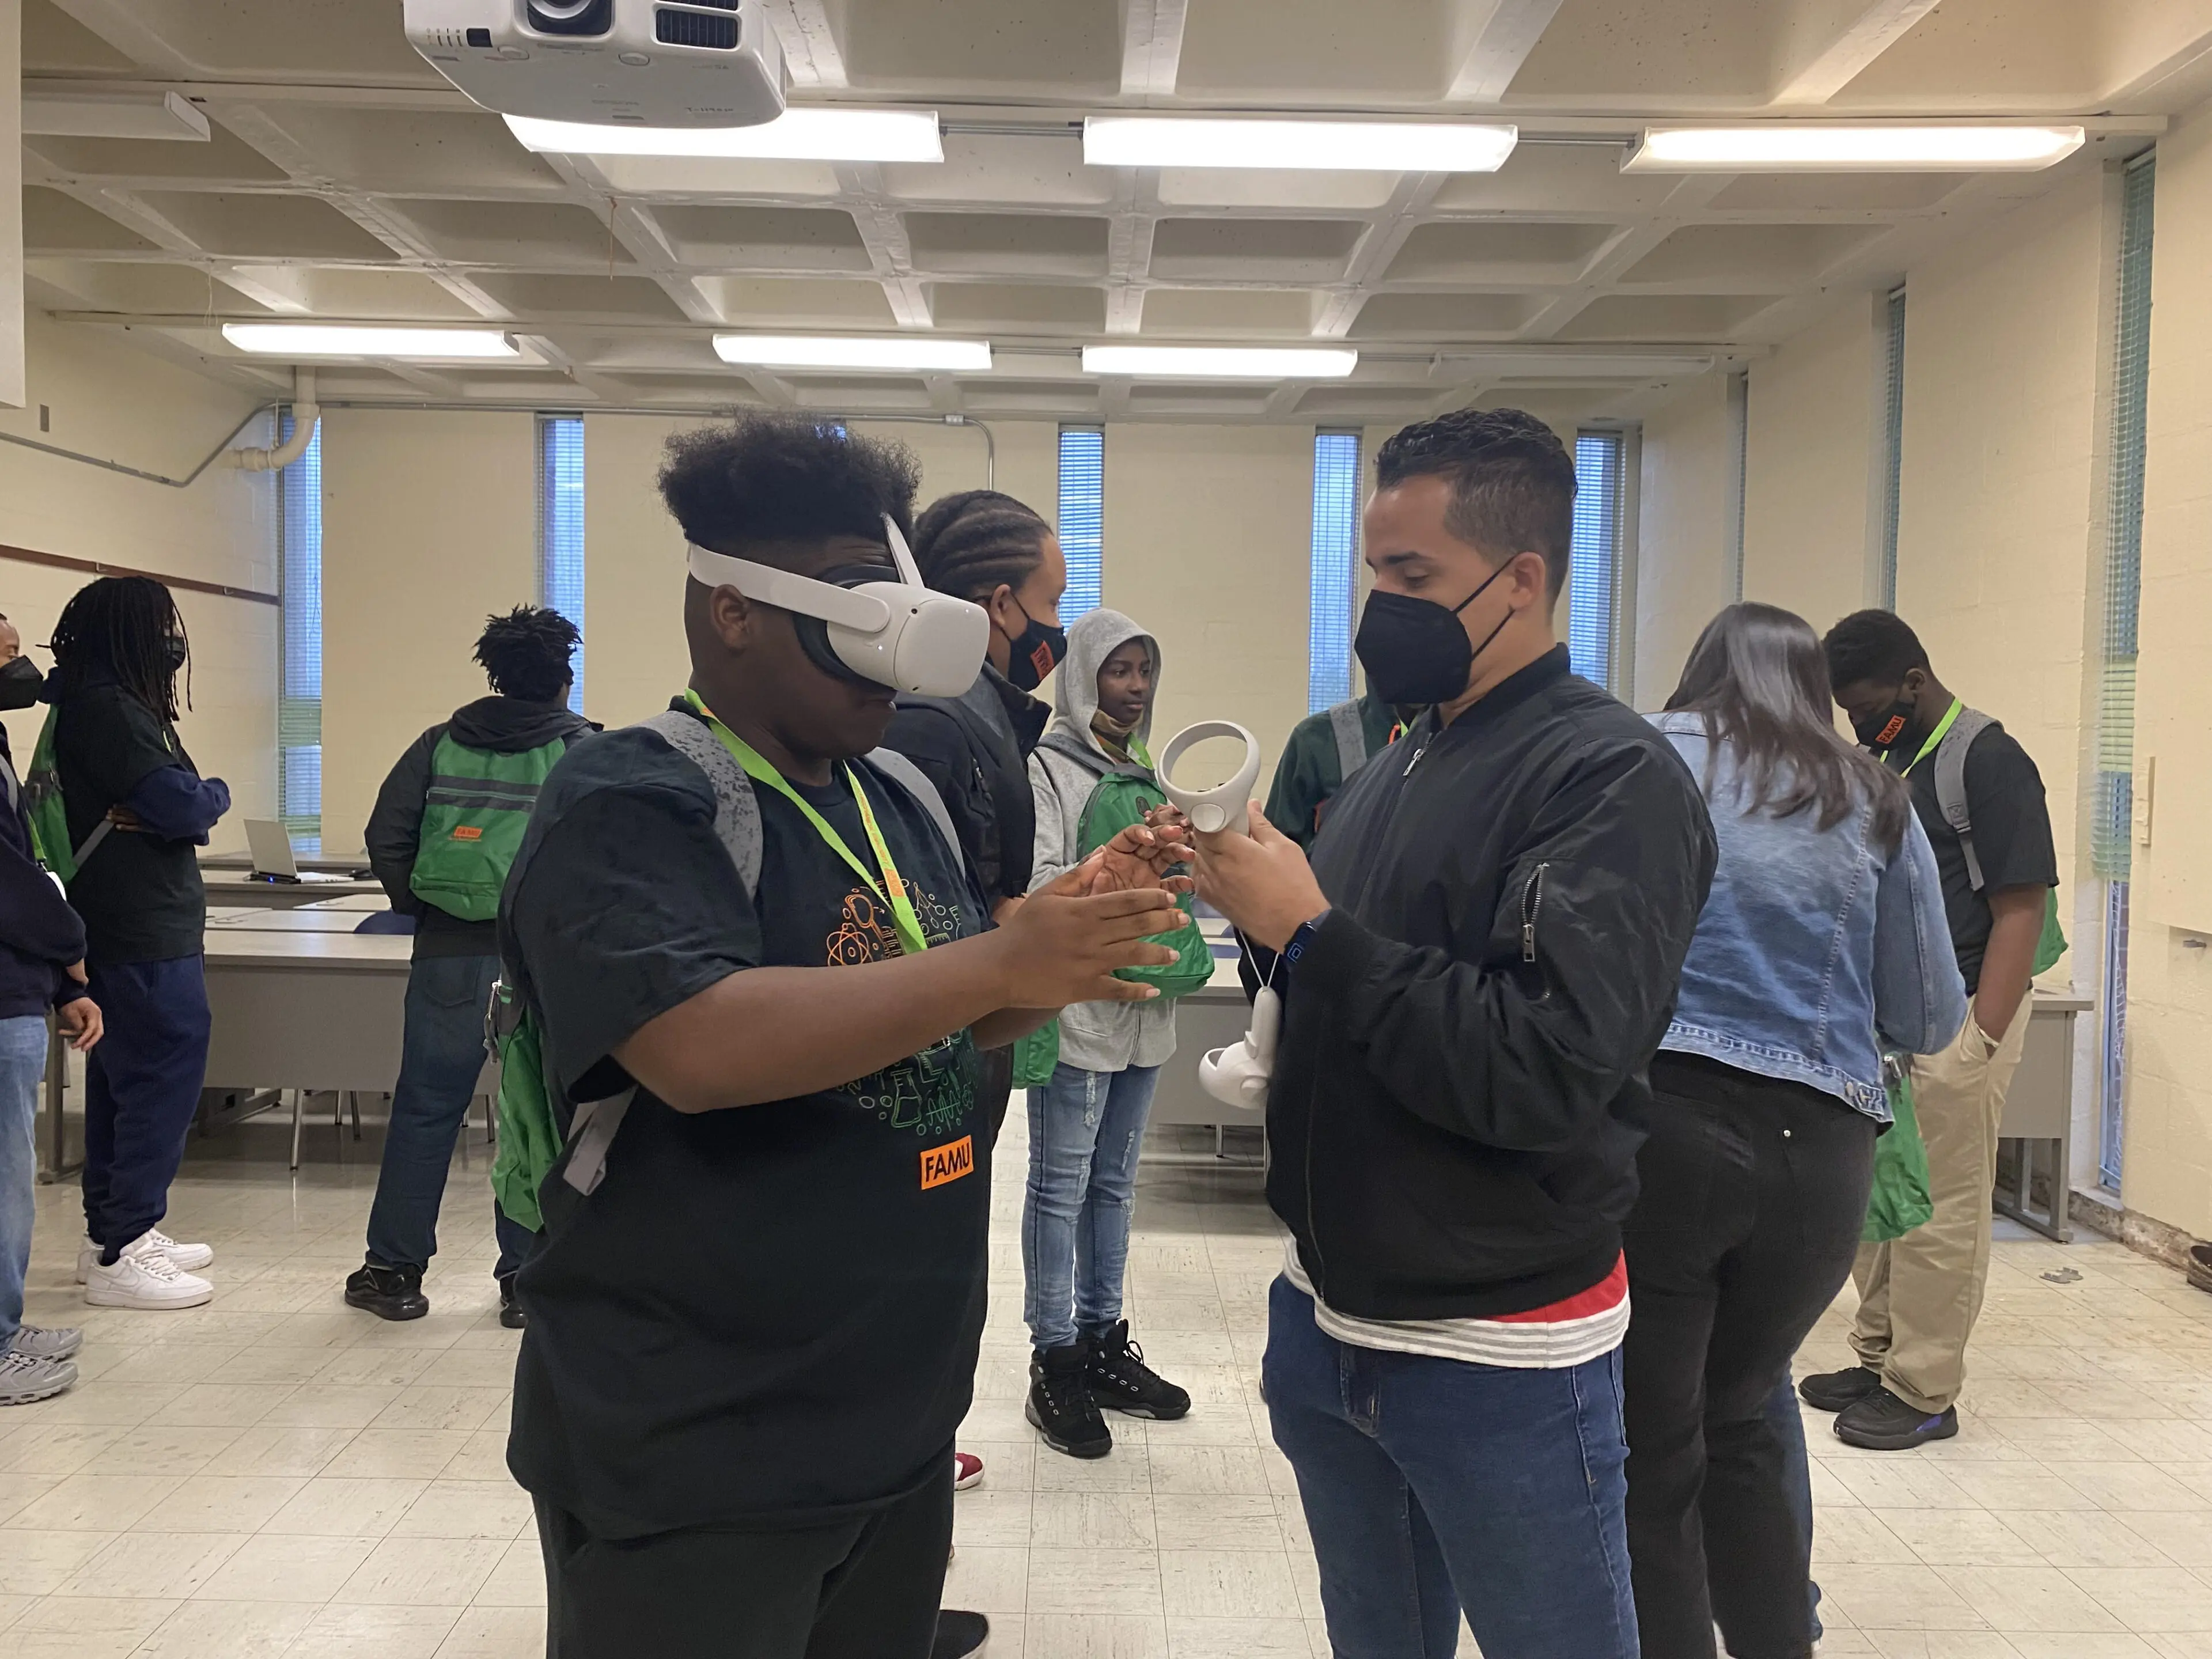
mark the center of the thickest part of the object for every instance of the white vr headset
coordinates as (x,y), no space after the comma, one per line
(897,634)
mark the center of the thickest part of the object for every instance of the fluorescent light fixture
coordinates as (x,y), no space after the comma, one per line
(347,340)
(797,135)
(891,353)
(62,113)
(1167,141)
(1827,147)
(1221,362)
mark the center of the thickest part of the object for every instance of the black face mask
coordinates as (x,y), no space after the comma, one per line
(1034,653)
(20,682)
(176,652)
(1881,731)
(1415,651)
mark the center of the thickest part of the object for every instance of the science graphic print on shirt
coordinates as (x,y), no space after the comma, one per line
(930,1093)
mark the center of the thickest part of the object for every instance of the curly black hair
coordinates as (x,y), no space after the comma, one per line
(1872,645)
(772,476)
(130,626)
(1513,481)
(970,544)
(525,653)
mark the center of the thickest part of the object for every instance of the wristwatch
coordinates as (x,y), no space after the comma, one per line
(1302,939)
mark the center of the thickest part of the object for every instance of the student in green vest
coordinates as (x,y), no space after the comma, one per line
(1325,749)
(1980,798)
(444,832)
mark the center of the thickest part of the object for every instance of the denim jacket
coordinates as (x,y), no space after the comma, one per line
(1816,952)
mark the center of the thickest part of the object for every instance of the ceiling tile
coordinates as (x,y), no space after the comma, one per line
(1294,250)
(706,178)
(1020,170)
(224,156)
(1723,256)
(1321,51)
(1177,398)
(1443,316)
(54,43)
(351,291)
(1204,312)
(1497,251)
(1022,306)
(161,289)
(790,302)
(264,227)
(331,40)
(1262,187)
(1837,193)
(57,223)
(513,233)
(763,238)
(1664,316)
(527,296)
(999,46)
(1394,403)
(1008,243)
(1579,178)
(412,152)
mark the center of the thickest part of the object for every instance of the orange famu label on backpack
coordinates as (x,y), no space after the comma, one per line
(467,832)
(948,1163)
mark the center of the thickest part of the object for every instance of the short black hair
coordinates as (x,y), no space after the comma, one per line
(1512,481)
(969,544)
(1872,645)
(525,653)
(772,477)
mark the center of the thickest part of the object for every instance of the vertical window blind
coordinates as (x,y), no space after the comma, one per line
(1082,518)
(300,702)
(2109,829)
(1594,566)
(1892,442)
(1335,569)
(560,527)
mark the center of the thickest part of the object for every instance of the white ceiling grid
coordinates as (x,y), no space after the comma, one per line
(345,182)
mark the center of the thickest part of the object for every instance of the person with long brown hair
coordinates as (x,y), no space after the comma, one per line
(1820,947)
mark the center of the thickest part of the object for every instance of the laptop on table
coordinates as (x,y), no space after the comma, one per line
(270,846)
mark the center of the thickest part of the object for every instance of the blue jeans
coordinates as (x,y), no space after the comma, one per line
(142,1088)
(1782,1411)
(1086,1128)
(440,1057)
(1433,1484)
(23,1065)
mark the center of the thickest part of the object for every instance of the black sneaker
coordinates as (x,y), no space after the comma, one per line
(1831,1391)
(387,1292)
(1882,1422)
(1121,1381)
(1060,1406)
(959,1634)
(510,1310)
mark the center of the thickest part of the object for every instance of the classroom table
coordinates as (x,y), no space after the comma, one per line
(341,864)
(375,900)
(231,887)
(307,919)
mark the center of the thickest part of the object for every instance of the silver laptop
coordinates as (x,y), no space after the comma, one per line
(270,846)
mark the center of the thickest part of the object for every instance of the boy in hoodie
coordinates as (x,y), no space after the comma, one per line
(41,962)
(526,656)
(1085,1126)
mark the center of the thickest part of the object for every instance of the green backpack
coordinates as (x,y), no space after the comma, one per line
(48,815)
(477,807)
(1901,1199)
(1119,799)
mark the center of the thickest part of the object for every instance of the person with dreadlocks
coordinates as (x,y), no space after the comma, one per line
(119,647)
(441,838)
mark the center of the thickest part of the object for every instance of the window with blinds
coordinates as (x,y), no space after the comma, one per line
(300,702)
(2114,807)
(1594,566)
(1082,518)
(1335,571)
(1892,442)
(560,527)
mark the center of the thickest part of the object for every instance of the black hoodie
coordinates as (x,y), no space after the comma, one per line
(1460,1088)
(504,726)
(40,934)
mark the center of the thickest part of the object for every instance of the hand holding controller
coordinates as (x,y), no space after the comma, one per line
(1225,806)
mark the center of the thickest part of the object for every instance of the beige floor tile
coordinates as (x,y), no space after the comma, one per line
(337,1507)
(2029,1598)
(519,1578)
(1857,1537)
(223,1503)
(2130,1488)
(19,1491)
(1218,1520)
(1088,1635)
(1127,1467)
(483,1632)
(160,1564)
(425,1407)
(1092,1520)
(1216,1584)
(1092,1581)
(1923,1645)
(225,1405)
(70,1645)
(13,1607)
(287,1567)
(2076,1645)
(228,1630)
(39,1447)
(992,1515)
(466,1509)
(424,1572)
(2162,1599)
(95,1503)
(344,1631)
(482,1456)
(397,1454)
(40,1563)
(323,1404)
(136,1616)
(161,1449)
(988,1579)
(265,1449)
(1893,1598)
(2090,1537)
(1205,1470)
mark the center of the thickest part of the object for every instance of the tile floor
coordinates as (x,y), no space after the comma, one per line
(277,1475)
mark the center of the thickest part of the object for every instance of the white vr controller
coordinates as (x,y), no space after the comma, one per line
(899,634)
(1238,1074)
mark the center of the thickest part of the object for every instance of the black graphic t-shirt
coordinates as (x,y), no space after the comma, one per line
(766,1314)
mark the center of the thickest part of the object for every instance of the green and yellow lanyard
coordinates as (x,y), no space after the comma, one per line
(891,889)
(1935,738)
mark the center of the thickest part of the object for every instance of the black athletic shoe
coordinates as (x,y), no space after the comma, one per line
(1882,1422)
(1831,1391)
(1121,1381)
(510,1310)
(1060,1406)
(959,1634)
(387,1292)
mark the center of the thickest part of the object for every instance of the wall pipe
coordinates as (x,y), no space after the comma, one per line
(213,456)
(306,417)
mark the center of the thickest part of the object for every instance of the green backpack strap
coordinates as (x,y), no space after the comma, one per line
(47,813)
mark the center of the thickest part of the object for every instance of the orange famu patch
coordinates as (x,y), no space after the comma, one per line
(948,1163)
(467,832)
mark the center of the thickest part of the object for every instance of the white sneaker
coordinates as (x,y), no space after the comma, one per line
(143,1276)
(187,1256)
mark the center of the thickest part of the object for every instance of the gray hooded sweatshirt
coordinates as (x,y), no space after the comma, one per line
(1094,1036)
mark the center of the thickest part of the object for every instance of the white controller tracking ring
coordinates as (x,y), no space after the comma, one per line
(1226,806)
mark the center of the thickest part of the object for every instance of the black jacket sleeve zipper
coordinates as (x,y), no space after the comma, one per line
(1532,902)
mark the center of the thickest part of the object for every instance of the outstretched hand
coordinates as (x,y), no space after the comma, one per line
(1261,882)
(1151,854)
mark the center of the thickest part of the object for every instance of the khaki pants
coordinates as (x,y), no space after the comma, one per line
(1919,1294)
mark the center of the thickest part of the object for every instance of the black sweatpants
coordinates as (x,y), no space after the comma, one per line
(1753,1193)
(864,1589)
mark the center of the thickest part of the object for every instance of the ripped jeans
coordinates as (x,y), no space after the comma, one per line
(1084,1131)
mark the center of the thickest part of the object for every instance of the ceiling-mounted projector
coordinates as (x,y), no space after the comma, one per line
(611,63)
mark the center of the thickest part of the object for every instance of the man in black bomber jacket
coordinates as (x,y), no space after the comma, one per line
(1476,967)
